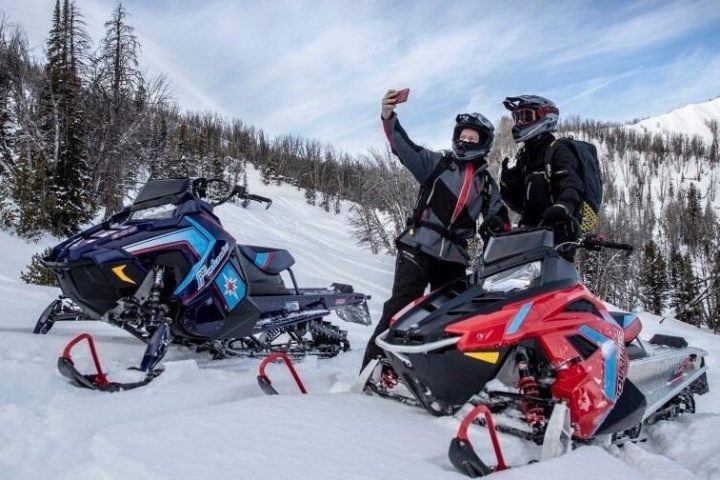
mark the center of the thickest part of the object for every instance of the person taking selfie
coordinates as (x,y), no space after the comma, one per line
(455,190)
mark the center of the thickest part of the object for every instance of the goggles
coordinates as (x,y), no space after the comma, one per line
(527,115)
(470,118)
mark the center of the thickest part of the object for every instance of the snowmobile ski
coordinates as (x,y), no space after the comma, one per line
(98,380)
(263,379)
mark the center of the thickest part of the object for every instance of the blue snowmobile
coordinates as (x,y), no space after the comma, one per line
(166,271)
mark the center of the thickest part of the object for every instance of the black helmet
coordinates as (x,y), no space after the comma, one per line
(532,116)
(467,150)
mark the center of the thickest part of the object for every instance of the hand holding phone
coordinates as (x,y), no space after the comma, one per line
(391,99)
(402,95)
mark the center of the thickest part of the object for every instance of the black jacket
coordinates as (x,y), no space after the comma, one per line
(526,188)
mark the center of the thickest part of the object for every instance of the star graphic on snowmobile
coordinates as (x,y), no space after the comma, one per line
(230,286)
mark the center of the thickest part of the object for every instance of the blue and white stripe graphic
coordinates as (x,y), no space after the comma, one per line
(609,352)
(519,318)
(188,235)
(211,241)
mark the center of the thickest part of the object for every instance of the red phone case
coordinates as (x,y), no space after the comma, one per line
(402,95)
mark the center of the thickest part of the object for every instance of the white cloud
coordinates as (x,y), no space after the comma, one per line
(319,68)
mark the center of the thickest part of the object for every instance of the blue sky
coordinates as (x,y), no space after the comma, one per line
(319,68)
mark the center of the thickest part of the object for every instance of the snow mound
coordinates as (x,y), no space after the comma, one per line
(689,120)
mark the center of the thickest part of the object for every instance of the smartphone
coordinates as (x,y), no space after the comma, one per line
(402,95)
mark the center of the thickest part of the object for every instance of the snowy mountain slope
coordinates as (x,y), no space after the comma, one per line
(209,419)
(688,120)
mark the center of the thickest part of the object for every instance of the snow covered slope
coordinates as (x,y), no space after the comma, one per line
(689,120)
(204,419)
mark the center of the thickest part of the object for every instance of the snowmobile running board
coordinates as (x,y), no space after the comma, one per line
(99,380)
(462,454)
(264,381)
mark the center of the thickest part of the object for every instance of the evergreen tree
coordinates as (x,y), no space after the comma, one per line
(653,279)
(117,84)
(66,194)
(684,294)
(692,220)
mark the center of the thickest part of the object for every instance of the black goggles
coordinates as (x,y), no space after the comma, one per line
(471,118)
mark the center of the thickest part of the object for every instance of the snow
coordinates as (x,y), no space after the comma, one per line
(689,120)
(209,419)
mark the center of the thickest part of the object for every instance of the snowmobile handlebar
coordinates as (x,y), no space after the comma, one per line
(597,242)
(258,198)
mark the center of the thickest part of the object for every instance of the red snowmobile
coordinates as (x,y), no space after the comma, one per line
(526,339)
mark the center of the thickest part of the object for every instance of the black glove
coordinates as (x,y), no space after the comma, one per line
(509,176)
(555,215)
(494,224)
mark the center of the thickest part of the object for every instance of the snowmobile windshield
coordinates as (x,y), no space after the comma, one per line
(518,278)
(516,243)
(162,191)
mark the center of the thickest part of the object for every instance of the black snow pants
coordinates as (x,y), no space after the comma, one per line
(413,271)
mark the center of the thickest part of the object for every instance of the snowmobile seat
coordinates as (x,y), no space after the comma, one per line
(269,260)
(259,282)
(668,341)
(629,322)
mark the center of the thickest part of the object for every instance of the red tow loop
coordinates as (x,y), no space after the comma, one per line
(264,380)
(99,379)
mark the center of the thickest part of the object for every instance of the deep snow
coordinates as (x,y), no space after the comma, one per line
(204,419)
(689,120)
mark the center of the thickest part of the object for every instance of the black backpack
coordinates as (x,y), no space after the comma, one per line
(589,173)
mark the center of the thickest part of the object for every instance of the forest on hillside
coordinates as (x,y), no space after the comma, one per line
(82,128)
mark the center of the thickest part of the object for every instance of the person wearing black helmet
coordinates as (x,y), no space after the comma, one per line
(544,191)
(456,188)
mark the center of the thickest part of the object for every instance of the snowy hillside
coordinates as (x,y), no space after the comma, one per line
(688,120)
(204,419)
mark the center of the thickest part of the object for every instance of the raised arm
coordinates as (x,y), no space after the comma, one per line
(420,161)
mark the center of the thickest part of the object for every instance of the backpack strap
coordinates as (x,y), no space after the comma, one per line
(549,152)
(446,162)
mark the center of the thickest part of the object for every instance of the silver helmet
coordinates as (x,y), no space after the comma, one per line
(532,116)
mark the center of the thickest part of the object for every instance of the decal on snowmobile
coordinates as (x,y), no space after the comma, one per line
(206,271)
(519,319)
(120,272)
(262,260)
(489,357)
(628,320)
(122,233)
(189,236)
(609,352)
(231,286)
(679,371)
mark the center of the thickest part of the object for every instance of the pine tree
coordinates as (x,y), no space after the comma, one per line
(653,279)
(684,293)
(118,86)
(692,221)
(65,196)
(245,202)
